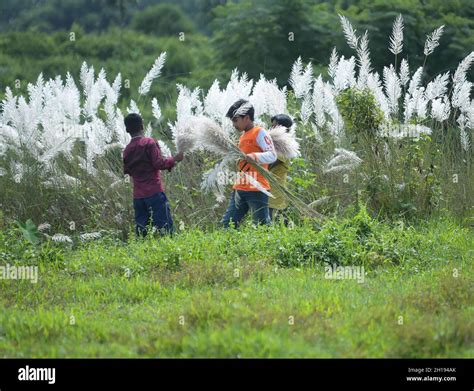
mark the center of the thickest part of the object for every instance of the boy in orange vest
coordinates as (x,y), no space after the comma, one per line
(257,144)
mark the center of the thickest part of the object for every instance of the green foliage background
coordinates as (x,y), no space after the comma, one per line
(220,35)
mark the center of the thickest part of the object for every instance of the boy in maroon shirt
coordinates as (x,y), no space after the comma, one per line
(142,160)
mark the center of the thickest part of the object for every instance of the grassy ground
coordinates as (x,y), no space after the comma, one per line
(252,293)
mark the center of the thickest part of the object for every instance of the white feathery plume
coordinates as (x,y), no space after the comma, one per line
(300,80)
(155,108)
(421,103)
(392,88)
(214,102)
(36,100)
(188,103)
(363,54)
(165,151)
(217,101)
(111,99)
(120,131)
(238,87)
(404,73)
(275,98)
(296,71)
(348,155)
(71,101)
(374,85)
(117,84)
(317,133)
(259,97)
(464,136)
(465,141)
(9,139)
(285,143)
(148,130)
(437,87)
(342,160)
(152,74)
(268,98)
(211,137)
(9,107)
(133,108)
(440,109)
(95,95)
(336,124)
(214,138)
(349,32)
(318,102)
(461,87)
(185,134)
(86,78)
(345,74)
(396,39)
(461,96)
(470,115)
(418,104)
(10,135)
(414,98)
(306,109)
(410,99)
(415,81)
(463,67)
(332,68)
(432,40)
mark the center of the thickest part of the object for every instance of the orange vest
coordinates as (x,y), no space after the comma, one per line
(248,144)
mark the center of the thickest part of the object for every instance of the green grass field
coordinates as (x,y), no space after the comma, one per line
(248,293)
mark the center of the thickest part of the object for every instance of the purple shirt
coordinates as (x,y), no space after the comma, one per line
(142,160)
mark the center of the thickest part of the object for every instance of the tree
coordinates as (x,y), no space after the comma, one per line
(162,20)
(264,39)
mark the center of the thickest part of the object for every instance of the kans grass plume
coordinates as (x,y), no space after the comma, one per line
(152,74)
(208,135)
(342,160)
(432,40)
(396,39)
(285,142)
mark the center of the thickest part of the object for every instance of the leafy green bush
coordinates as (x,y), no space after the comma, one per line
(361,113)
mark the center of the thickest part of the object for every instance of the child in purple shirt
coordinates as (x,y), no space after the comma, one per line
(142,160)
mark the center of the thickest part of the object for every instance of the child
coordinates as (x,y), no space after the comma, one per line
(257,144)
(142,160)
(279,169)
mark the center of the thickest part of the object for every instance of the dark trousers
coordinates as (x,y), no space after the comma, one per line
(155,209)
(241,202)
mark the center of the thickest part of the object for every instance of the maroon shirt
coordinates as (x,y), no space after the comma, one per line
(142,160)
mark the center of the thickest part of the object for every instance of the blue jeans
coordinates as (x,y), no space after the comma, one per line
(240,203)
(155,208)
